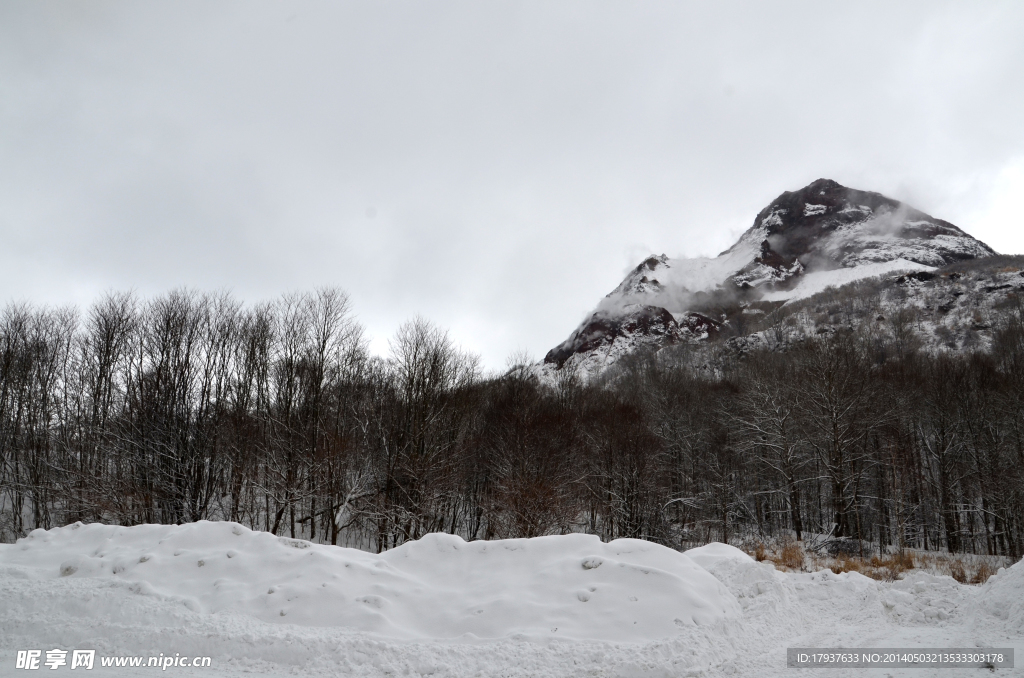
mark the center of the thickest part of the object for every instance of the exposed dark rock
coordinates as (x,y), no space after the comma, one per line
(602,329)
(699,325)
(919,276)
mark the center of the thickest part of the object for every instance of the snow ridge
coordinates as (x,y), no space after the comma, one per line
(440,586)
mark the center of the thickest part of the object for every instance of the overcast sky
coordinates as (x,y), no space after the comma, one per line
(496,167)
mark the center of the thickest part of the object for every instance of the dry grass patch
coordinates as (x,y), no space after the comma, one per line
(786,555)
(982,573)
(957,571)
(847,564)
(789,555)
(965,568)
(890,567)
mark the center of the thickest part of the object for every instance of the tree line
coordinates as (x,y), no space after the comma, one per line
(194,406)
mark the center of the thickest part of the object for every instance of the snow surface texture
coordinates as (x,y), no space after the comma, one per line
(413,611)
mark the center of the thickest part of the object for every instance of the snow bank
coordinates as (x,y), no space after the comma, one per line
(1001,599)
(571,586)
(756,586)
(444,607)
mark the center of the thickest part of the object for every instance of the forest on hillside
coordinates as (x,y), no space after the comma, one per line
(194,406)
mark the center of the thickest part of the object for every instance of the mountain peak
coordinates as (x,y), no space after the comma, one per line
(802,240)
(827,225)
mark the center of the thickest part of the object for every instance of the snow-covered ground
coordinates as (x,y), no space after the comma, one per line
(553,606)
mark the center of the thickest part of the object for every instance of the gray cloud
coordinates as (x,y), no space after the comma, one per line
(516,156)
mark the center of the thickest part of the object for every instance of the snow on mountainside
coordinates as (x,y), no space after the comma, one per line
(803,242)
(959,307)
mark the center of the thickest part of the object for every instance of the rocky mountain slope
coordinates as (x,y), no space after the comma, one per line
(822,236)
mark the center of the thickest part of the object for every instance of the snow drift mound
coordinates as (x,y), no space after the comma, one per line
(571,586)
(757,587)
(1001,599)
(710,555)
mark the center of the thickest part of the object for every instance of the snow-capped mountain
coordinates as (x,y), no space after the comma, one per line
(822,235)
